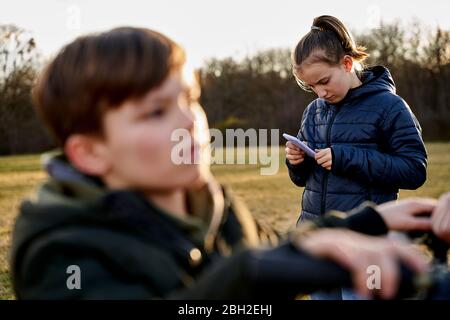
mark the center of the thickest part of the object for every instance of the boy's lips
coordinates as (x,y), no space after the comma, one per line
(195,151)
(190,151)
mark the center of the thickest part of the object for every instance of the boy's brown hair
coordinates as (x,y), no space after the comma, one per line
(98,72)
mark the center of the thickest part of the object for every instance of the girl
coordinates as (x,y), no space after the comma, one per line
(368,142)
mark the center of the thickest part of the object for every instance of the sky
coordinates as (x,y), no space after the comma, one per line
(211,28)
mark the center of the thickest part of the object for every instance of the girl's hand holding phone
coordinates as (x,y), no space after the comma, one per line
(294,154)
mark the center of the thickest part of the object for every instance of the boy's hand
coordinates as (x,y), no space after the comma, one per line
(402,215)
(294,154)
(324,158)
(356,252)
(440,219)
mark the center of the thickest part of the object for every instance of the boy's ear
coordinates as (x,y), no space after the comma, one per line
(87,154)
(347,62)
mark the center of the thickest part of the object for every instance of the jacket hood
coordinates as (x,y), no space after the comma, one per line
(374,80)
(66,189)
(70,198)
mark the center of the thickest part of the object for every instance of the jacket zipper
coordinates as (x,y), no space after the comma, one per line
(325,180)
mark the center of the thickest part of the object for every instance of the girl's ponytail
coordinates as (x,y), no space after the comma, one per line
(328,41)
(358,53)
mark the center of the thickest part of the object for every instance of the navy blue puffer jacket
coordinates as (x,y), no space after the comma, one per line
(376,145)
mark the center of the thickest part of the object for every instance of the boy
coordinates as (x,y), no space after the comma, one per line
(118,219)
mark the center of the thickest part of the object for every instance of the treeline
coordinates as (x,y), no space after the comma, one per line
(260,91)
(20,129)
(256,92)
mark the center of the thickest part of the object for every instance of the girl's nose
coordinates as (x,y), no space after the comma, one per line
(321,93)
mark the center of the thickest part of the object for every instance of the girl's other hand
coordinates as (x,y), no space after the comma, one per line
(294,154)
(324,158)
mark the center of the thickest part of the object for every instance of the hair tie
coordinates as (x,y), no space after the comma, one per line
(316,28)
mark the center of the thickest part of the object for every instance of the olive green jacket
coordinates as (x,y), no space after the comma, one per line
(79,240)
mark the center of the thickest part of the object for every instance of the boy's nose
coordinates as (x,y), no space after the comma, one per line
(188,119)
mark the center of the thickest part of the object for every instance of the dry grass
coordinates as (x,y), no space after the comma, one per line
(273,199)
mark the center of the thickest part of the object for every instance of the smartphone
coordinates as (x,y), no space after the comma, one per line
(310,152)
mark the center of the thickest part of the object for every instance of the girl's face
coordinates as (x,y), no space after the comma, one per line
(327,81)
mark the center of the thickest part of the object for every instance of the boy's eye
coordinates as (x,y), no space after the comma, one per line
(155,114)
(188,98)
(192,99)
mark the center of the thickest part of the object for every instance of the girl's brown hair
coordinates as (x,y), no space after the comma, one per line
(328,41)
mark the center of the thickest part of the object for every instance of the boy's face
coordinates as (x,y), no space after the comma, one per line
(137,139)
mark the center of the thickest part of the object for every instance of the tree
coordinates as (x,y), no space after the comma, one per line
(20,130)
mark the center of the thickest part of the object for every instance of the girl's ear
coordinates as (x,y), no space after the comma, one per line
(347,63)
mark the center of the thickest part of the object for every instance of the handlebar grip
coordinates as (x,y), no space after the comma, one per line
(288,272)
(438,247)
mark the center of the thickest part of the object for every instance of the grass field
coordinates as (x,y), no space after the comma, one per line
(272,199)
